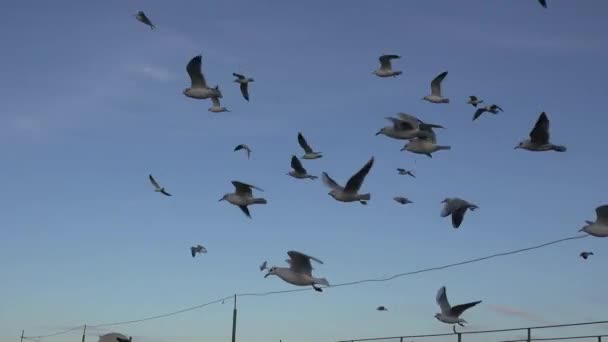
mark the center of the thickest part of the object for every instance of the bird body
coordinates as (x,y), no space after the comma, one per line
(299,272)
(386,68)
(216,107)
(244,84)
(585,255)
(436,96)
(198,249)
(490,109)
(141,16)
(350,192)
(243,147)
(457,208)
(308,151)
(157,187)
(473,100)
(599,228)
(243,197)
(198,85)
(539,138)
(402,200)
(407,126)
(449,314)
(382,308)
(404,172)
(424,146)
(299,171)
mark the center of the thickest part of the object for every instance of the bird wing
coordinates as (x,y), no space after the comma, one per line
(436,84)
(385,61)
(245,210)
(458,216)
(144,18)
(401,125)
(602,214)
(303,143)
(297,165)
(400,169)
(540,132)
(442,301)
(215,101)
(543,3)
(194,71)
(410,120)
(354,183)
(330,182)
(193,251)
(497,107)
(473,98)
(427,133)
(240,147)
(478,113)
(300,262)
(164,192)
(244,188)
(239,76)
(459,309)
(154,182)
(245,90)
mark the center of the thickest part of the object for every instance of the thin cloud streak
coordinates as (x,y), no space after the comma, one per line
(508,311)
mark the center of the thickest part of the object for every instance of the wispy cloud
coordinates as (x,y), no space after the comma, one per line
(156,73)
(508,311)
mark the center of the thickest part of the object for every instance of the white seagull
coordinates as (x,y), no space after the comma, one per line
(243,147)
(308,152)
(539,138)
(243,196)
(492,109)
(198,249)
(473,100)
(449,314)
(457,208)
(406,127)
(298,170)
(299,272)
(157,187)
(402,200)
(599,228)
(198,87)
(435,96)
(244,82)
(386,69)
(141,16)
(426,145)
(263,266)
(216,107)
(349,193)
(405,172)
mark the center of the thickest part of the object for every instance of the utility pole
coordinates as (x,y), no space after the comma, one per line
(234,321)
(22,333)
(84,332)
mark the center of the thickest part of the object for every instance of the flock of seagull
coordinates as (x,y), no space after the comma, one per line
(419,137)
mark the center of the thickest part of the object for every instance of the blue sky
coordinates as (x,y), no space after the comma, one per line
(92,102)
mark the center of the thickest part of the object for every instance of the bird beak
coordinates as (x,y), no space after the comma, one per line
(516,147)
(403,148)
(267,274)
(221,199)
(379,132)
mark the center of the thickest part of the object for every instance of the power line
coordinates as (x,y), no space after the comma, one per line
(261,294)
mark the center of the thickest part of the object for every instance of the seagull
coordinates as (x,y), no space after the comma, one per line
(539,137)
(349,193)
(407,126)
(243,81)
(425,145)
(381,308)
(216,108)
(404,172)
(543,3)
(402,200)
(299,272)
(119,339)
(243,147)
(386,69)
(451,315)
(492,109)
(198,87)
(457,208)
(198,250)
(473,100)
(599,228)
(141,16)
(308,152)
(298,170)
(435,96)
(585,255)
(263,266)
(158,188)
(243,196)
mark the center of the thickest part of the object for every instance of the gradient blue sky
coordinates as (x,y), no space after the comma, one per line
(92,103)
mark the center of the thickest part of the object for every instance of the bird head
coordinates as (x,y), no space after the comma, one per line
(251,80)
(404,147)
(271,271)
(225,197)
(445,200)
(381,131)
(437,315)
(332,193)
(520,145)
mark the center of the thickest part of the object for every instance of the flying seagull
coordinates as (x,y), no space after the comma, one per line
(244,82)
(457,208)
(425,145)
(263,266)
(157,187)
(198,87)
(216,107)
(243,147)
(402,200)
(585,255)
(473,100)
(405,172)
(386,69)
(308,152)
(599,228)
(298,170)
(119,339)
(243,197)
(381,308)
(492,109)
(449,314)
(350,193)
(435,96)
(539,138)
(543,3)
(198,249)
(141,16)
(299,272)
(407,126)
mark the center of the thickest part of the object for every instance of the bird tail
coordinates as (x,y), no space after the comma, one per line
(426,125)
(259,201)
(444,147)
(365,197)
(321,281)
(398,73)
(559,148)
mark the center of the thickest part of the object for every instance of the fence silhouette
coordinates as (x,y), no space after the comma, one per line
(526,334)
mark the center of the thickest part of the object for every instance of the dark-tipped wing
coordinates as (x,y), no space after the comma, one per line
(540,132)
(354,183)
(543,3)
(297,165)
(300,262)
(458,216)
(436,83)
(239,76)
(303,143)
(245,210)
(244,188)
(473,98)
(164,192)
(495,107)
(153,181)
(400,170)
(194,71)
(144,19)
(478,113)
(442,300)
(330,182)
(245,90)
(459,309)
(602,214)
(385,61)
(239,147)
(193,251)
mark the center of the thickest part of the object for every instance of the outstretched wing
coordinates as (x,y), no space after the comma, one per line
(442,301)
(245,90)
(303,143)
(239,76)
(244,188)
(354,183)
(478,113)
(540,132)
(459,309)
(436,84)
(297,165)
(245,210)
(300,262)
(385,61)
(194,71)
(330,182)
(153,181)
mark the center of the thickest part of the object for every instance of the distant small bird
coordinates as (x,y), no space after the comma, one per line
(119,339)
(350,193)
(244,82)
(298,170)
(402,200)
(141,16)
(451,314)
(381,308)
(473,100)
(308,152)
(543,3)
(198,249)
(198,86)
(436,96)
(299,272)
(263,266)
(599,228)
(457,208)
(386,69)
(585,255)
(539,137)
(216,107)
(157,187)
(424,145)
(243,197)
(405,172)
(492,109)
(243,147)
